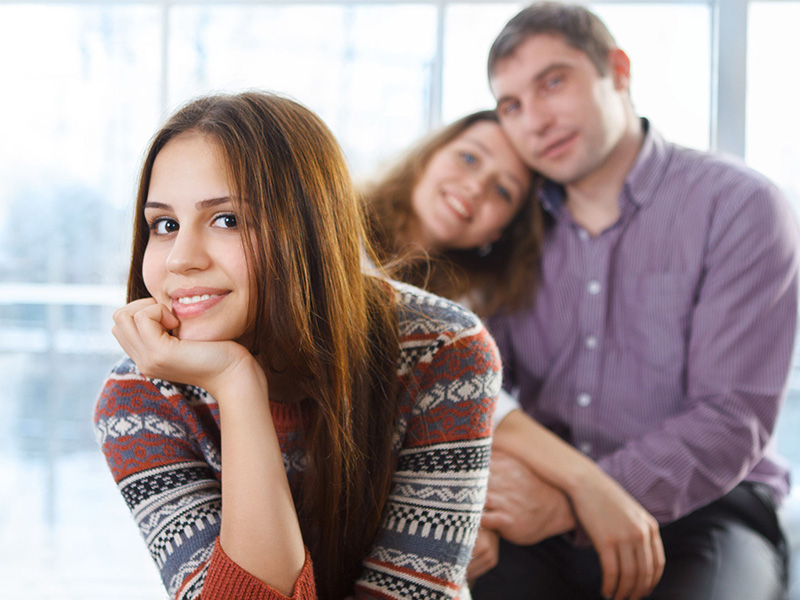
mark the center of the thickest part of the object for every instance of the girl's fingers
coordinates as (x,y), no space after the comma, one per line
(142,330)
(132,308)
(150,321)
(125,329)
(168,318)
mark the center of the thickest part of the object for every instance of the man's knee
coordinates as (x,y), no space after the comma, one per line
(726,551)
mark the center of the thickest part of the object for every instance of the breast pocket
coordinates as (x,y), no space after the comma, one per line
(656,316)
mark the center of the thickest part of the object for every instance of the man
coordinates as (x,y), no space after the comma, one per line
(660,338)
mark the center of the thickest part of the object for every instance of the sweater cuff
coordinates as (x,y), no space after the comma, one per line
(226,580)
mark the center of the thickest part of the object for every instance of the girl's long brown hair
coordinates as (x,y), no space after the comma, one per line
(314,310)
(502,281)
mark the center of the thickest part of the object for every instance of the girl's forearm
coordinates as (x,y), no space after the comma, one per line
(260,530)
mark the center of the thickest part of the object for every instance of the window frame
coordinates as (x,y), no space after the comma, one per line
(728,110)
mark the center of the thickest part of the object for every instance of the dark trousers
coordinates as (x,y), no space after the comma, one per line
(732,549)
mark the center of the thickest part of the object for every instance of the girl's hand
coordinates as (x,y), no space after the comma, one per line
(143,327)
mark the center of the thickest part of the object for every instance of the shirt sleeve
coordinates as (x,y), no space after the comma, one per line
(506,402)
(439,487)
(155,443)
(738,355)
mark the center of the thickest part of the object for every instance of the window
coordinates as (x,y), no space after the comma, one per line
(86,84)
(773,146)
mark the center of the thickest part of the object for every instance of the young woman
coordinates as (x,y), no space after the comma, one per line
(286,425)
(458,215)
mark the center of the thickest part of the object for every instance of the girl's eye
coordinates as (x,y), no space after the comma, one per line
(226,221)
(164,226)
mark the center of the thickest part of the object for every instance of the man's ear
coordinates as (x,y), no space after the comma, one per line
(619,66)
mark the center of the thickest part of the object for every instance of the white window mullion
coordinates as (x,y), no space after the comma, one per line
(729,76)
(437,71)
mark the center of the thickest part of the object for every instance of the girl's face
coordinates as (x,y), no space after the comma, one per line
(195,262)
(470,190)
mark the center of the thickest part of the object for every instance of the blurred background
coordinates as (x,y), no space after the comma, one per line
(85,84)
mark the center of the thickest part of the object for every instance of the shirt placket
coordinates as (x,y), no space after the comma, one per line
(593,292)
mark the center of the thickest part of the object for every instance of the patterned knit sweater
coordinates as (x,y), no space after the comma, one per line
(162,444)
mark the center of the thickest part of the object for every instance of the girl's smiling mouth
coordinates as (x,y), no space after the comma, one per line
(194,302)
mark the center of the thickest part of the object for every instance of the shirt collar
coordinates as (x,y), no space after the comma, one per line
(642,181)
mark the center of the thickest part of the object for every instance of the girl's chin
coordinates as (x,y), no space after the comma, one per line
(188,335)
(191,334)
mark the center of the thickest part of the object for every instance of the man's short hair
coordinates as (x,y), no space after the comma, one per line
(580,28)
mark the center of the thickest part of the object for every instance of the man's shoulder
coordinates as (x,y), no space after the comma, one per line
(715,170)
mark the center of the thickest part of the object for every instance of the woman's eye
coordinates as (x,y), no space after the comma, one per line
(503,192)
(164,226)
(226,221)
(468,158)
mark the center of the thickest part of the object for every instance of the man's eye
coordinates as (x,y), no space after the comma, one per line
(509,108)
(468,158)
(164,226)
(226,221)
(553,82)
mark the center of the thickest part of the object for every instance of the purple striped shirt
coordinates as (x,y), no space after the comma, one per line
(661,347)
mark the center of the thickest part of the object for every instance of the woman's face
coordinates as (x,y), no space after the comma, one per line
(470,190)
(195,262)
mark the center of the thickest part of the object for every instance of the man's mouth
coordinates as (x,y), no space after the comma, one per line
(558,147)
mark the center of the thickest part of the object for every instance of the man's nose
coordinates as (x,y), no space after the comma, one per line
(537,118)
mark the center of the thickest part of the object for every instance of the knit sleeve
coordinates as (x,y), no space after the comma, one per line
(227,580)
(433,513)
(161,444)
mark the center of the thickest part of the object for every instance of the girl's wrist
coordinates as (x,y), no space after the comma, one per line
(242,377)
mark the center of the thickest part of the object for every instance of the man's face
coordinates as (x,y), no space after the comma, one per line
(562,116)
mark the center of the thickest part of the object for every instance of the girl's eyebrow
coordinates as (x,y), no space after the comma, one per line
(159,205)
(211,202)
(202,204)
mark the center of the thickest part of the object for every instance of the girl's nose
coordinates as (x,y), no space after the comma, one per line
(188,253)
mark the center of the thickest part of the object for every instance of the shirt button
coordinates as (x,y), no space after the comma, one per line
(593,287)
(585,447)
(584,399)
(590,342)
(583,235)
